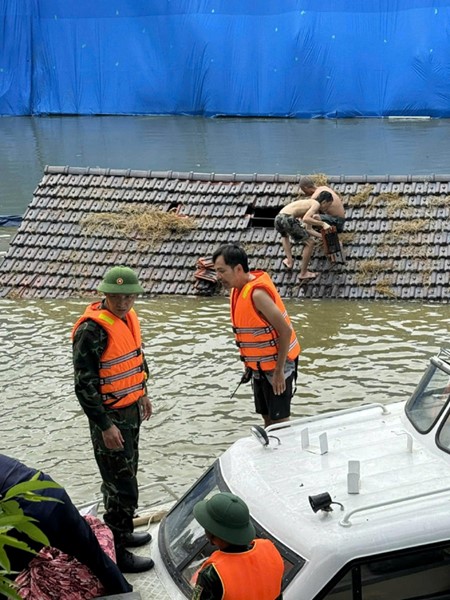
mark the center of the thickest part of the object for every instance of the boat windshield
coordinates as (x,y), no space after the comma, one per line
(184,546)
(430,397)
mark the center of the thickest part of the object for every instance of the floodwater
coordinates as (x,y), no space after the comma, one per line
(353,352)
(224,145)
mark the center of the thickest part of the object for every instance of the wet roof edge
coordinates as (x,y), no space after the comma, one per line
(238,177)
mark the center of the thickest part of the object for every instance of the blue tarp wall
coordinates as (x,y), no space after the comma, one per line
(296,58)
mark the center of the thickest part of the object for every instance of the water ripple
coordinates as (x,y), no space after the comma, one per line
(352,353)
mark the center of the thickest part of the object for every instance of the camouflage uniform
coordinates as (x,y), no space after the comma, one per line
(118,468)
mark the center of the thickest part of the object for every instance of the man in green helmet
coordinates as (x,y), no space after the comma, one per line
(110,384)
(242,567)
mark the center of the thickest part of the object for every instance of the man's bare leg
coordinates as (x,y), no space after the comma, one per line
(288,261)
(306,257)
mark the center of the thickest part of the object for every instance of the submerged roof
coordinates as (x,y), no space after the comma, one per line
(396,236)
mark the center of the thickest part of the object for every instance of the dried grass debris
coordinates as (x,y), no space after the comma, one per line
(398,203)
(384,287)
(389,197)
(319,179)
(441,201)
(148,227)
(347,237)
(361,197)
(408,227)
(368,269)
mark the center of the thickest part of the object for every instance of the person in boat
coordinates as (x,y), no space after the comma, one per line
(242,567)
(290,226)
(63,525)
(263,332)
(110,384)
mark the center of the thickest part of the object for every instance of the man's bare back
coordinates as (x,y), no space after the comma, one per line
(336,208)
(298,208)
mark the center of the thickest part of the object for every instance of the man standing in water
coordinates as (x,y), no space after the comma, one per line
(110,384)
(264,335)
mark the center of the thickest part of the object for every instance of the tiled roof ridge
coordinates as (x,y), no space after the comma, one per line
(239,177)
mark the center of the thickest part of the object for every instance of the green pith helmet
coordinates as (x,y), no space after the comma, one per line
(227,517)
(120,280)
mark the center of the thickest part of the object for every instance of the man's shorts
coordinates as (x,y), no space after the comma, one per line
(288,225)
(267,403)
(337,222)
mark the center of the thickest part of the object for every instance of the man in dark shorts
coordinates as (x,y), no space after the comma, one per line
(264,335)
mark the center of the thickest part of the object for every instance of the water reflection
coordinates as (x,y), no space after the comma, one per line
(233,145)
(352,353)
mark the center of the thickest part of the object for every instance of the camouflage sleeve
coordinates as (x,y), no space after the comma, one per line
(208,586)
(88,345)
(147,374)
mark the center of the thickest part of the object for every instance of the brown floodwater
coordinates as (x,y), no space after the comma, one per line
(353,352)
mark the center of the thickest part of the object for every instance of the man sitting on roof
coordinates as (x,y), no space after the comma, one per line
(242,567)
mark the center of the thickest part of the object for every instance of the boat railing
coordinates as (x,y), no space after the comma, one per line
(345,521)
(141,489)
(344,411)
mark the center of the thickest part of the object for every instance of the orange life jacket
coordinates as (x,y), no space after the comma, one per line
(252,575)
(256,339)
(121,369)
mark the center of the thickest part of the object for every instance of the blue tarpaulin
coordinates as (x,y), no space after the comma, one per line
(295,58)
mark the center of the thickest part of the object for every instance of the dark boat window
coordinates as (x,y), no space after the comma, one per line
(416,574)
(182,542)
(429,399)
(443,435)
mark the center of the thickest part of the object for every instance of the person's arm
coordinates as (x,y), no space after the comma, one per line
(312,216)
(145,402)
(208,585)
(312,232)
(273,315)
(89,343)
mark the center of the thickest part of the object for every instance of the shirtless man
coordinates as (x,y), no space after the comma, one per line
(332,214)
(290,225)
(326,210)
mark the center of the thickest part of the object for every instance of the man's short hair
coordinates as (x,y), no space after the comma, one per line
(233,255)
(324,197)
(307,183)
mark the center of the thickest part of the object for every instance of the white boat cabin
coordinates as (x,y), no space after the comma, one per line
(357,501)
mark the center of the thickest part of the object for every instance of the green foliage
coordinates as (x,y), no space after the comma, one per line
(12,517)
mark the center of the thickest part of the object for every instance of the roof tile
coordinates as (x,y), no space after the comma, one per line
(49,256)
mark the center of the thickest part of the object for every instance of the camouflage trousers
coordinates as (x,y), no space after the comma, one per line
(118,469)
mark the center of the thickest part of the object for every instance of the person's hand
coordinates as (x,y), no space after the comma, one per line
(113,438)
(326,226)
(278,383)
(146,408)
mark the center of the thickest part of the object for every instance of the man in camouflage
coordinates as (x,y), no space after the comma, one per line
(110,384)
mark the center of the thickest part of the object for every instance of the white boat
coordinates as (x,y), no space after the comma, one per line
(384,468)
